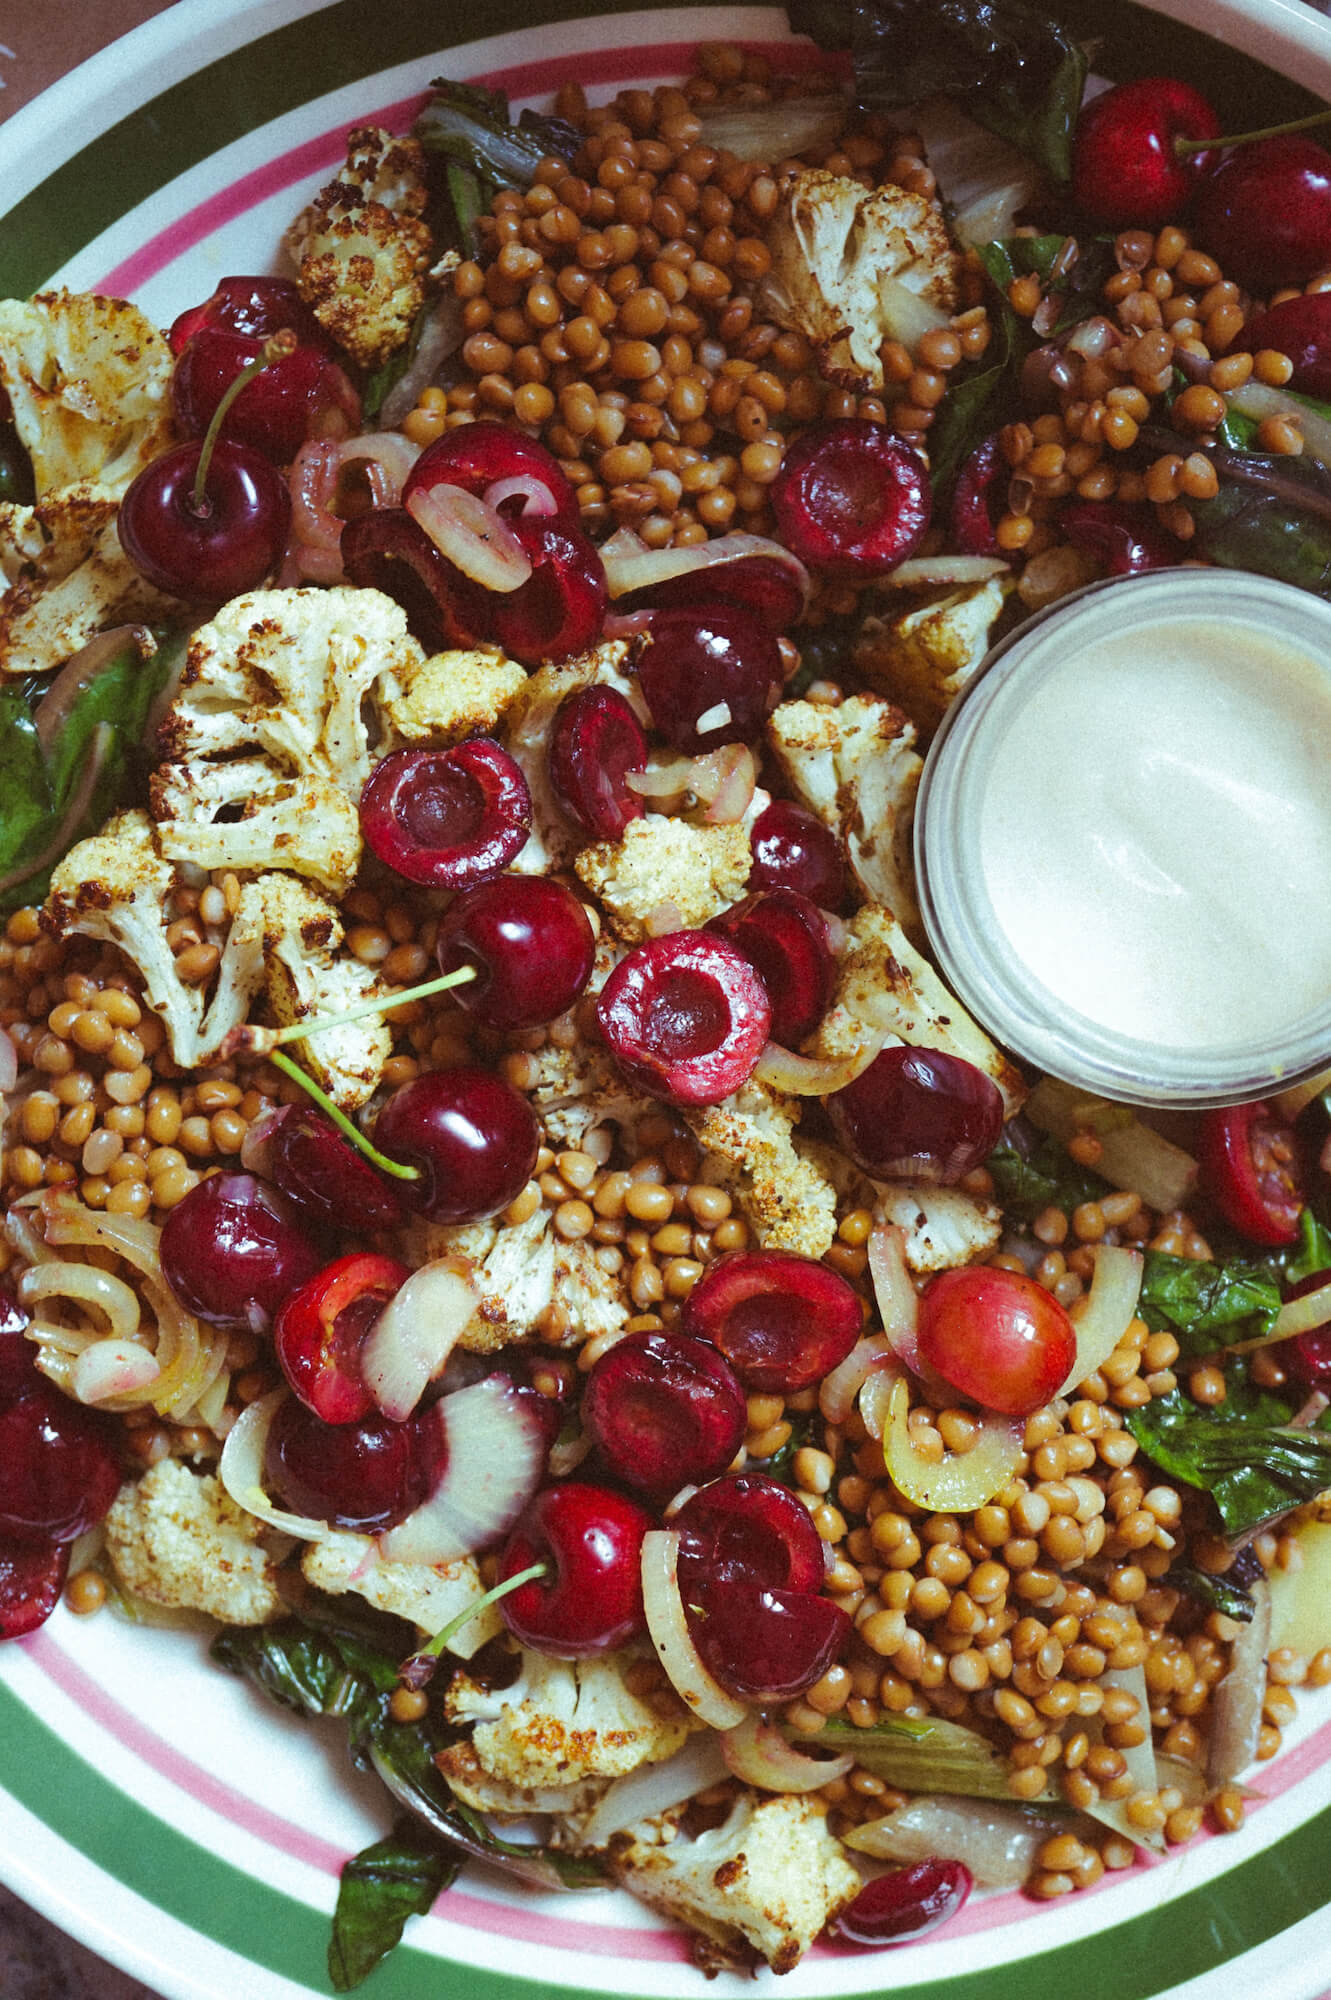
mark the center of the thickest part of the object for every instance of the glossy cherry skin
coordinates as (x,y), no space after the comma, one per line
(474,1139)
(1249,1166)
(782,1321)
(448,818)
(792,849)
(300,396)
(1125,537)
(322,1328)
(18,1356)
(252,306)
(1124,167)
(58,1474)
(918,1114)
(905,1903)
(531,943)
(708,659)
(558,612)
(227,545)
(310,1161)
(663,1409)
(1308,1355)
(361,1475)
(595,740)
(978,499)
(386,550)
(1300,328)
(31,1580)
(760,587)
(685,1017)
(997,1336)
(591,1539)
(480,457)
(850,499)
(234,1249)
(1265,213)
(747,1528)
(764,1644)
(785,937)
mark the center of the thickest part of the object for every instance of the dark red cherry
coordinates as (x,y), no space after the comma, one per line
(226,544)
(747,1528)
(559,610)
(918,1114)
(31,1580)
(502,465)
(663,1409)
(531,943)
(449,818)
(792,849)
(256,307)
(303,395)
(1125,536)
(782,1321)
(709,676)
(905,1903)
(591,1601)
(594,741)
(307,1158)
(358,1475)
(686,1017)
(1308,1355)
(1300,328)
(759,587)
(766,1645)
(386,550)
(234,1249)
(1124,166)
(320,1332)
(1265,213)
(58,1474)
(18,1356)
(850,499)
(979,499)
(472,1136)
(785,937)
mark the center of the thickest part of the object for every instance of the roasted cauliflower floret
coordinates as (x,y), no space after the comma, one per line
(699,870)
(70,580)
(362,249)
(529,1280)
(427,1595)
(266,746)
(178,1538)
(853,267)
(563,1721)
(451,696)
(762,1884)
(305,980)
(750,1146)
(856,767)
(88,380)
(923,656)
(944,1226)
(885,989)
(577,1090)
(469,1781)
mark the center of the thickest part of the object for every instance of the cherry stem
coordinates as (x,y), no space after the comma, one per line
(1183,147)
(264,1040)
(276,349)
(417,1670)
(396,1168)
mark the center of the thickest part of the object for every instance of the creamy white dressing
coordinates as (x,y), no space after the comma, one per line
(1155,829)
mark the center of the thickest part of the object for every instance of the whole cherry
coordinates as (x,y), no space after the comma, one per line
(1265,213)
(530,942)
(1301,328)
(1125,165)
(590,1539)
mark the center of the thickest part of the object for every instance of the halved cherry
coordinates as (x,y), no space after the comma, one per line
(710,676)
(58,1473)
(386,550)
(595,740)
(502,465)
(31,1580)
(559,610)
(360,1475)
(758,586)
(792,849)
(746,1528)
(850,499)
(918,1114)
(764,1644)
(309,1160)
(18,1356)
(1249,1164)
(448,818)
(685,1016)
(785,935)
(322,1328)
(782,1321)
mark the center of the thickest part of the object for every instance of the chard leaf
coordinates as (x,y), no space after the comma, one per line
(1217,1593)
(1204,1305)
(1027,1184)
(1271,515)
(1312,1252)
(919,1755)
(380,1888)
(470,125)
(1243,1451)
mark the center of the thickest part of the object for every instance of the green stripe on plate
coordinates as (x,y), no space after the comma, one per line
(1183,1938)
(349,40)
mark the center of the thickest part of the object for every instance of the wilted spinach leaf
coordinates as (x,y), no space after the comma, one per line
(1204,1305)
(1271,515)
(1241,1451)
(1028,1183)
(1217,1593)
(380,1888)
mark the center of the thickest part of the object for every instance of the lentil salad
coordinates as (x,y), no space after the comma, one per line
(958,1613)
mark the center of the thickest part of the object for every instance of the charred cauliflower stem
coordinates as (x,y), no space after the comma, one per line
(865,1552)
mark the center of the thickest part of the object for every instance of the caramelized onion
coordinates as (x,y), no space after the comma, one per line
(630,565)
(668,1626)
(473,537)
(959,1482)
(757,1752)
(811,1076)
(1107,1311)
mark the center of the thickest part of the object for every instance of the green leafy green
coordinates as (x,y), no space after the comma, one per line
(388,374)
(1242,1451)
(1013,68)
(469,124)
(1272,515)
(933,1755)
(1027,1184)
(1217,1593)
(1207,1306)
(380,1888)
(108,718)
(1312,1251)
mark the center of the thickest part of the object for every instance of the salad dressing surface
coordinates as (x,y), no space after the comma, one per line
(1155,827)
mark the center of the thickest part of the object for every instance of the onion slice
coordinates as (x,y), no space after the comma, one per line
(8,1062)
(654,1788)
(474,537)
(535,495)
(80,671)
(812,1076)
(631,566)
(669,1630)
(837,1393)
(415,1334)
(756,1751)
(1107,1311)
(1255,399)
(997,1843)
(779,129)
(1301,1315)
(958,1482)
(111,1368)
(492,1453)
(241,1471)
(1236,1703)
(925,572)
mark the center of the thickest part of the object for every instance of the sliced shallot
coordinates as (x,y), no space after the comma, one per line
(1107,1311)
(535,495)
(669,1630)
(631,566)
(492,1453)
(811,1076)
(109,1368)
(241,1471)
(8,1063)
(757,1752)
(80,671)
(1236,1702)
(837,1392)
(654,1788)
(960,1481)
(473,537)
(415,1334)
(923,572)
(997,1843)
